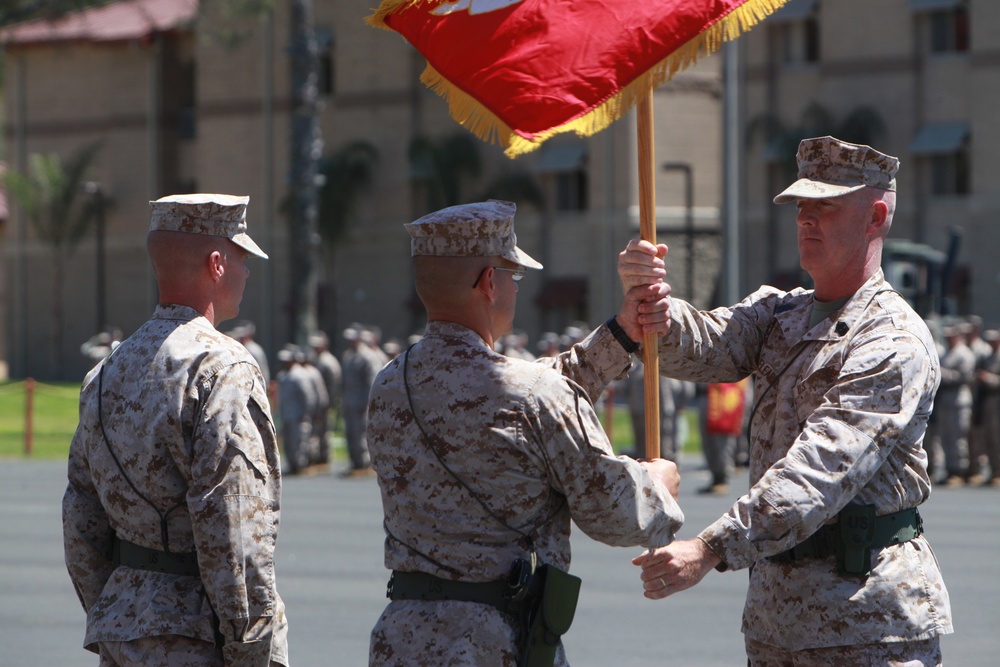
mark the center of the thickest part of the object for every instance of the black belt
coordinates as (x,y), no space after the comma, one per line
(423,586)
(153,560)
(890,529)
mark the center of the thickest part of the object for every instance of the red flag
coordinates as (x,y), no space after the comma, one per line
(726,405)
(519,71)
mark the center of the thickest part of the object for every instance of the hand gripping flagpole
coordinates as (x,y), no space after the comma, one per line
(647,230)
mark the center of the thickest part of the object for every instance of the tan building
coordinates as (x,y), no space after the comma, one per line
(922,79)
(183,101)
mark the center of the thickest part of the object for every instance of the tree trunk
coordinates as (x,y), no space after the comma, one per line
(58,271)
(307,147)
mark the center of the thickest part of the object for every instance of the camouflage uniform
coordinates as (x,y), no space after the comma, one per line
(953,405)
(333,381)
(896,654)
(318,410)
(360,365)
(185,411)
(989,384)
(260,356)
(525,437)
(841,410)
(297,402)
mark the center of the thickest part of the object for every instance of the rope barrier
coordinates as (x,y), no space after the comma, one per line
(32,391)
(12,388)
(57,391)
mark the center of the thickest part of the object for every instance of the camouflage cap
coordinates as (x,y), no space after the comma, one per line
(352,332)
(318,339)
(830,167)
(291,352)
(484,229)
(208,214)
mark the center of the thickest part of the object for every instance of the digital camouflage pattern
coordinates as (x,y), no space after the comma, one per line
(830,167)
(840,415)
(185,410)
(524,436)
(482,229)
(162,651)
(953,403)
(360,366)
(209,214)
(925,653)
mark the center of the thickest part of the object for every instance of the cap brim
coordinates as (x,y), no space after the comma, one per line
(524,259)
(806,188)
(244,241)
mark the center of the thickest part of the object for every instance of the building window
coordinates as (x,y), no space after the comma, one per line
(945,24)
(950,173)
(800,42)
(187,109)
(566,164)
(571,191)
(324,50)
(944,148)
(797,28)
(949,31)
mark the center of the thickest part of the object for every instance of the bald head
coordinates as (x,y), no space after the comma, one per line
(181,259)
(206,273)
(868,198)
(445,283)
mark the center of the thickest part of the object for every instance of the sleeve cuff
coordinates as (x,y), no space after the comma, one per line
(627,343)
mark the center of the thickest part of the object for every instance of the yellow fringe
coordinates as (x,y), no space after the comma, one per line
(472,115)
(377,19)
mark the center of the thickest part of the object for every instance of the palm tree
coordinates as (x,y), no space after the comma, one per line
(48,197)
(345,174)
(443,167)
(14,11)
(863,125)
(306,148)
(519,187)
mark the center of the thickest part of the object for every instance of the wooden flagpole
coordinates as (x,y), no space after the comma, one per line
(647,230)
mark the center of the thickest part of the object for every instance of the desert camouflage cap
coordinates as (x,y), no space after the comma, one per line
(829,167)
(208,214)
(484,229)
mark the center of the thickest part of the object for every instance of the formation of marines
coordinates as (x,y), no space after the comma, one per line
(484,459)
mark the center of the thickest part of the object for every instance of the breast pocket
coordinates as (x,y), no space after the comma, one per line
(814,389)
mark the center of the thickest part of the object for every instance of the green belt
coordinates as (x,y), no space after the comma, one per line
(890,529)
(153,560)
(423,586)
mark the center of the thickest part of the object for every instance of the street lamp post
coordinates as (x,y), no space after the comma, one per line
(94,190)
(685,168)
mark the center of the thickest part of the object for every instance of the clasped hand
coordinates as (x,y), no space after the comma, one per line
(641,270)
(675,567)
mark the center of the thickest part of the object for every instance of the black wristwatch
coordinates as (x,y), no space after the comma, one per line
(627,343)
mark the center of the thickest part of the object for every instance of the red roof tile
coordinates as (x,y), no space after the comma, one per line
(119,21)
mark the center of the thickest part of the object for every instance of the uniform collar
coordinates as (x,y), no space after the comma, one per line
(793,315)
(173,311)
(454,330)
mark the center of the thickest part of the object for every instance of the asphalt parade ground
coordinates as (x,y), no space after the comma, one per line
(331,576)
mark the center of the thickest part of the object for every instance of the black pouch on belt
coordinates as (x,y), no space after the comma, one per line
(550,617)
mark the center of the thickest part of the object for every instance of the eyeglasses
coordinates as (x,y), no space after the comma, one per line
(515,274)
